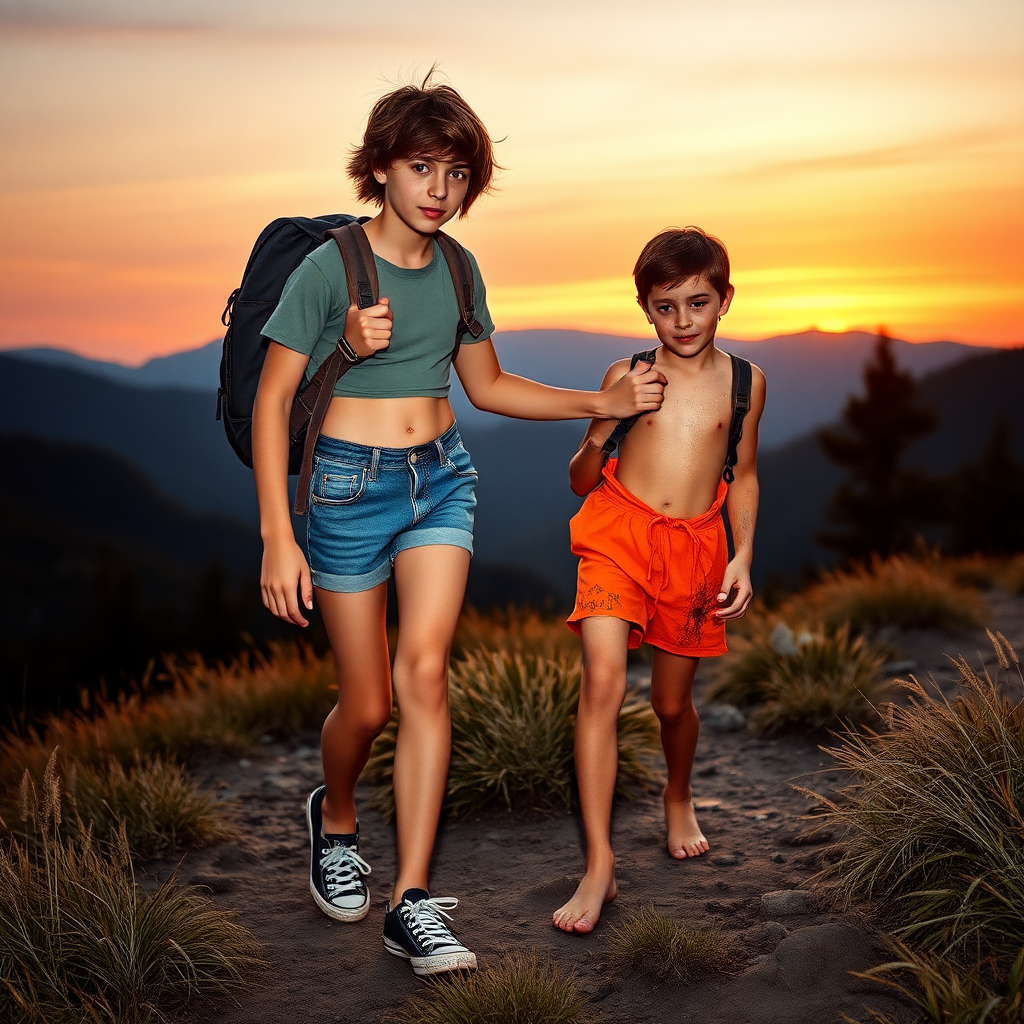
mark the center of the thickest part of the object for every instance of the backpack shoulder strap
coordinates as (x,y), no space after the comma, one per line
(623,427)
(311,403)
(741,386)
(461,271)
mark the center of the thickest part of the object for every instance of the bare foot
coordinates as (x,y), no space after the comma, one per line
(580,914)
(685,838)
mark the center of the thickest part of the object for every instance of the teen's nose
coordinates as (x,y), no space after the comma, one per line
(438,186)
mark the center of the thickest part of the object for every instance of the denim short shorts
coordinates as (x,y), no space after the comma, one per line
(368,504)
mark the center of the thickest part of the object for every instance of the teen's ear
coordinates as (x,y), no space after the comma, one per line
(726,302)
(381,177)
(643,305)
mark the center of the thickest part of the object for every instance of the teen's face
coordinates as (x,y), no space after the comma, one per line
(685,316)
(425,191)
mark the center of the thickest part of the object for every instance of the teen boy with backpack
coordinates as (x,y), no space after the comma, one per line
(651,543)
(391,490)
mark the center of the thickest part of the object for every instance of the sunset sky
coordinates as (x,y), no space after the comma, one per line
(863,162)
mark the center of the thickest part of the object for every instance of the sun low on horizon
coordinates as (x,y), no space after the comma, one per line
(864,164)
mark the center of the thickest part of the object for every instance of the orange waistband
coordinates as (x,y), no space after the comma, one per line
(614,491)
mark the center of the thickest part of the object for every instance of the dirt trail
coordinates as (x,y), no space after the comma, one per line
(510,875)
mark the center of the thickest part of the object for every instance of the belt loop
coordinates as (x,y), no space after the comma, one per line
(442,456)
(374,463)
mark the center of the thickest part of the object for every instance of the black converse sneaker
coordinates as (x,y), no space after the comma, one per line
(416,930)
(335,868)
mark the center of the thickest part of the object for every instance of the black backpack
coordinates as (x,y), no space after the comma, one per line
(741,383)
(280,248)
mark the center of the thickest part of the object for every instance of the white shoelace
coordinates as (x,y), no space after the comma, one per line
(342,867)
(423,918)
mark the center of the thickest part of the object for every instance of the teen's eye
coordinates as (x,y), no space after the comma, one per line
(663,309)
(700,303)
(460,174)
(420,167)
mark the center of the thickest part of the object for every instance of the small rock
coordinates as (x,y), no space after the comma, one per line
(725,860)
(772,933)
(722,718)
(783,641)
(244,762)
(777,857)
(266,738)
(887,634)
(786,903)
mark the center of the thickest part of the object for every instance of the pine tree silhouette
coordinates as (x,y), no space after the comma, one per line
(986,499)
(881,504)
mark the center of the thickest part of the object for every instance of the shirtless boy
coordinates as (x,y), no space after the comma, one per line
(652,546)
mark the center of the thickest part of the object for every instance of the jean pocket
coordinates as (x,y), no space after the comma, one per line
(337,485)
(460,462)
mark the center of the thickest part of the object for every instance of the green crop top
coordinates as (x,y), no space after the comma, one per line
(310,317)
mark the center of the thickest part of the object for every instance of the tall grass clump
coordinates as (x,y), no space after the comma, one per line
(82,941)
(910,593)
(519,990)
(513,727)
(654,945)
(218,708)
(517,630)
(945,993)
(800,682)
(934,825)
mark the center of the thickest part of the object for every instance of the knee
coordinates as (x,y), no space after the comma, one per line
(368,717)
(672,711)
(423,682)
(602,689)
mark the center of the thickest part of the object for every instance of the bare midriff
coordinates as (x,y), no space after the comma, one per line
(388,422)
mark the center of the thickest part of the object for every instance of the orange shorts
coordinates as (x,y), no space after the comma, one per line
(660,574)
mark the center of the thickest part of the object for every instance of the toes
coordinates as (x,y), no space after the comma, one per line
(583,926)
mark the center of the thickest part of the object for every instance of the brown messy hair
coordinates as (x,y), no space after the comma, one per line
(422,120)
(677,254)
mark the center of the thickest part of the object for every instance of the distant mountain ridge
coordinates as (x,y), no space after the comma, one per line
(809,374)
(524,498)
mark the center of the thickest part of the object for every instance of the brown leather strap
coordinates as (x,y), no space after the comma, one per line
(461,271)
(310,405)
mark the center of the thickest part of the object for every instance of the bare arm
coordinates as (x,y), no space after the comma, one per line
(284,573)
(490,388)
(741,503)
(586,465)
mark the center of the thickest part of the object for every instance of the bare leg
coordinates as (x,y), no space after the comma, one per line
(431,583)
(597,763)
(356,628)
(672,700)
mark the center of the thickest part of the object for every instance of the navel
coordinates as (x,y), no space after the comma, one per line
(412,430)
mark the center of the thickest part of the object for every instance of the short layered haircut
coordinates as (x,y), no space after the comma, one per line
(677,254)
(422,120)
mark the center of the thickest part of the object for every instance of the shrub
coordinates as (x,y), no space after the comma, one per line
(519,990)
(934,832)
(80,940)
(217,708)
(946,994)
(800,682)
(655,945)
(899,591)
(513,726)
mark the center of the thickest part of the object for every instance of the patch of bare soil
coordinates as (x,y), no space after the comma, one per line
(509,875)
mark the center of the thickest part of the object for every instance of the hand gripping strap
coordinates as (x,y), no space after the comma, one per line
(741,384)
(310,405)
(623,427)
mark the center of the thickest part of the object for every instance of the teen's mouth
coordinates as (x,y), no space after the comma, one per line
(433,212)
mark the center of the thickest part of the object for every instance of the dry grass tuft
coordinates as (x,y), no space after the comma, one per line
(217,708)
(946,994)
(519,990)
(911,593)
(156,801)
(81,941)
(800,682)
(934,825)
(516,630)
(653,944)
(513,727)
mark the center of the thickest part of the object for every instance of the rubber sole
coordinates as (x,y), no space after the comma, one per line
(423,966)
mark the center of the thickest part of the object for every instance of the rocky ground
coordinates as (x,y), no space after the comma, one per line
(509,875)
